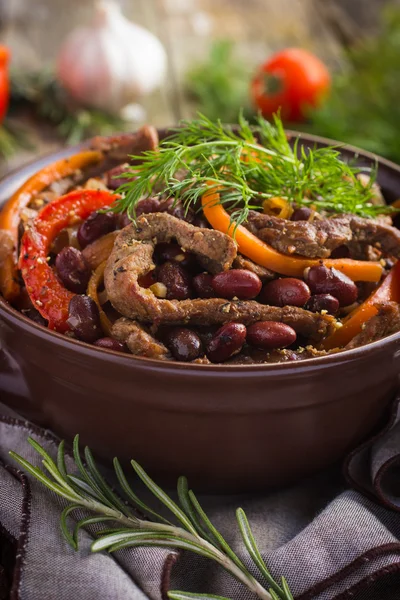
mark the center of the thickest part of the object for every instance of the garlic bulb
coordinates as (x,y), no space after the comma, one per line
(111,63)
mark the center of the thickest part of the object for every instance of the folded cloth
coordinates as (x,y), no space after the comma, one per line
(331,542)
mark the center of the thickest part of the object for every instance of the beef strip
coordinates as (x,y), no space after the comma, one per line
(264,274)
(139,341)
(132,257)
(318,238)
(99,250)
(386,322)
(117,148)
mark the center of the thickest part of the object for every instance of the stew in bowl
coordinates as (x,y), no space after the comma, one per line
(212,245)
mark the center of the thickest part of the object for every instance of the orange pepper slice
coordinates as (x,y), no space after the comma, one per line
(263,254)
(10,214)
(388,291)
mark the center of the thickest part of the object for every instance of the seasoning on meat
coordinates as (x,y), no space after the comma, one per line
(118,147)
(317,239)
(139,341)
(132,258)
(264,274)
(386,322)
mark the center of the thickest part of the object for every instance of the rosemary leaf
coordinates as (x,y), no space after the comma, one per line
(128,539)
(61,460)
(252,548)
(89,521)
(64,527)
(103,486)
(40,476)
(133,497)
(186,503)
(86,475)
(163,497)
(176,595)
(222,543)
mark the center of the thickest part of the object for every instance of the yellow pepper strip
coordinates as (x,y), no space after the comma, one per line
(95,281)
(10,214)
(263,254)
(277,207)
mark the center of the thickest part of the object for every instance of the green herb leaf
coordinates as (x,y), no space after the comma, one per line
(176,595)
(90,492)
(133,497)
(247,166)
(254,552)
(163,497)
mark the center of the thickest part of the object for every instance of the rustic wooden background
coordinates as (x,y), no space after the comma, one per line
(34,30)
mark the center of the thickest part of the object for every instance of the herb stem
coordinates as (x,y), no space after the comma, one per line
(139,524)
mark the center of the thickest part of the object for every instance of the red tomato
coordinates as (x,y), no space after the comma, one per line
(4,81)
(292,80)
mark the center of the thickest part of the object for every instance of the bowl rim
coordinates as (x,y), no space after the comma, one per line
(319,361)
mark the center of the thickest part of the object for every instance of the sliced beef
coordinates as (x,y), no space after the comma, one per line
(117,148)
(376,233)
(139,341)
(317,239)
(99,250)
(386,322)
(242,262)
(132,257)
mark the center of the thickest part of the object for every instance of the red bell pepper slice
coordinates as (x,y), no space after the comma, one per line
(46,292)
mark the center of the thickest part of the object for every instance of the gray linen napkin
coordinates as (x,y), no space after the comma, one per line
(329,541)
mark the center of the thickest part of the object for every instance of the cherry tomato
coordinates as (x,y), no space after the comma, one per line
(4,81)
(290,81)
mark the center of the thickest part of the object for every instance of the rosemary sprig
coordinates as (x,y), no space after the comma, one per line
(124,529)
(247,165)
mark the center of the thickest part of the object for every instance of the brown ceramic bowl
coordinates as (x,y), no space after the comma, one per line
(228,428)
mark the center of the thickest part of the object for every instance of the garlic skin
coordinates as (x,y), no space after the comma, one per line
(111,63)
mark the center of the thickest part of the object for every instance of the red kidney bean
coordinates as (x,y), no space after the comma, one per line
(237,283)
(285,292)
(147,205)
(145,281)
(96,225)
(165,251)
(176,280)
(113,181)
(84,319)
(226,342)
(320,302)
(110,344)
(270,334)
(184,344)
(202,284)
(177,210)
(73,269)
(322,280)
(301,214)
(180,212)
(144,207)
(123,220)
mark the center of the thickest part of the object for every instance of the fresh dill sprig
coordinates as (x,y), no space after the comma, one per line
(247,165)
(122,528)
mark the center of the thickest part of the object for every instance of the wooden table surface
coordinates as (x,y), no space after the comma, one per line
(34,30)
